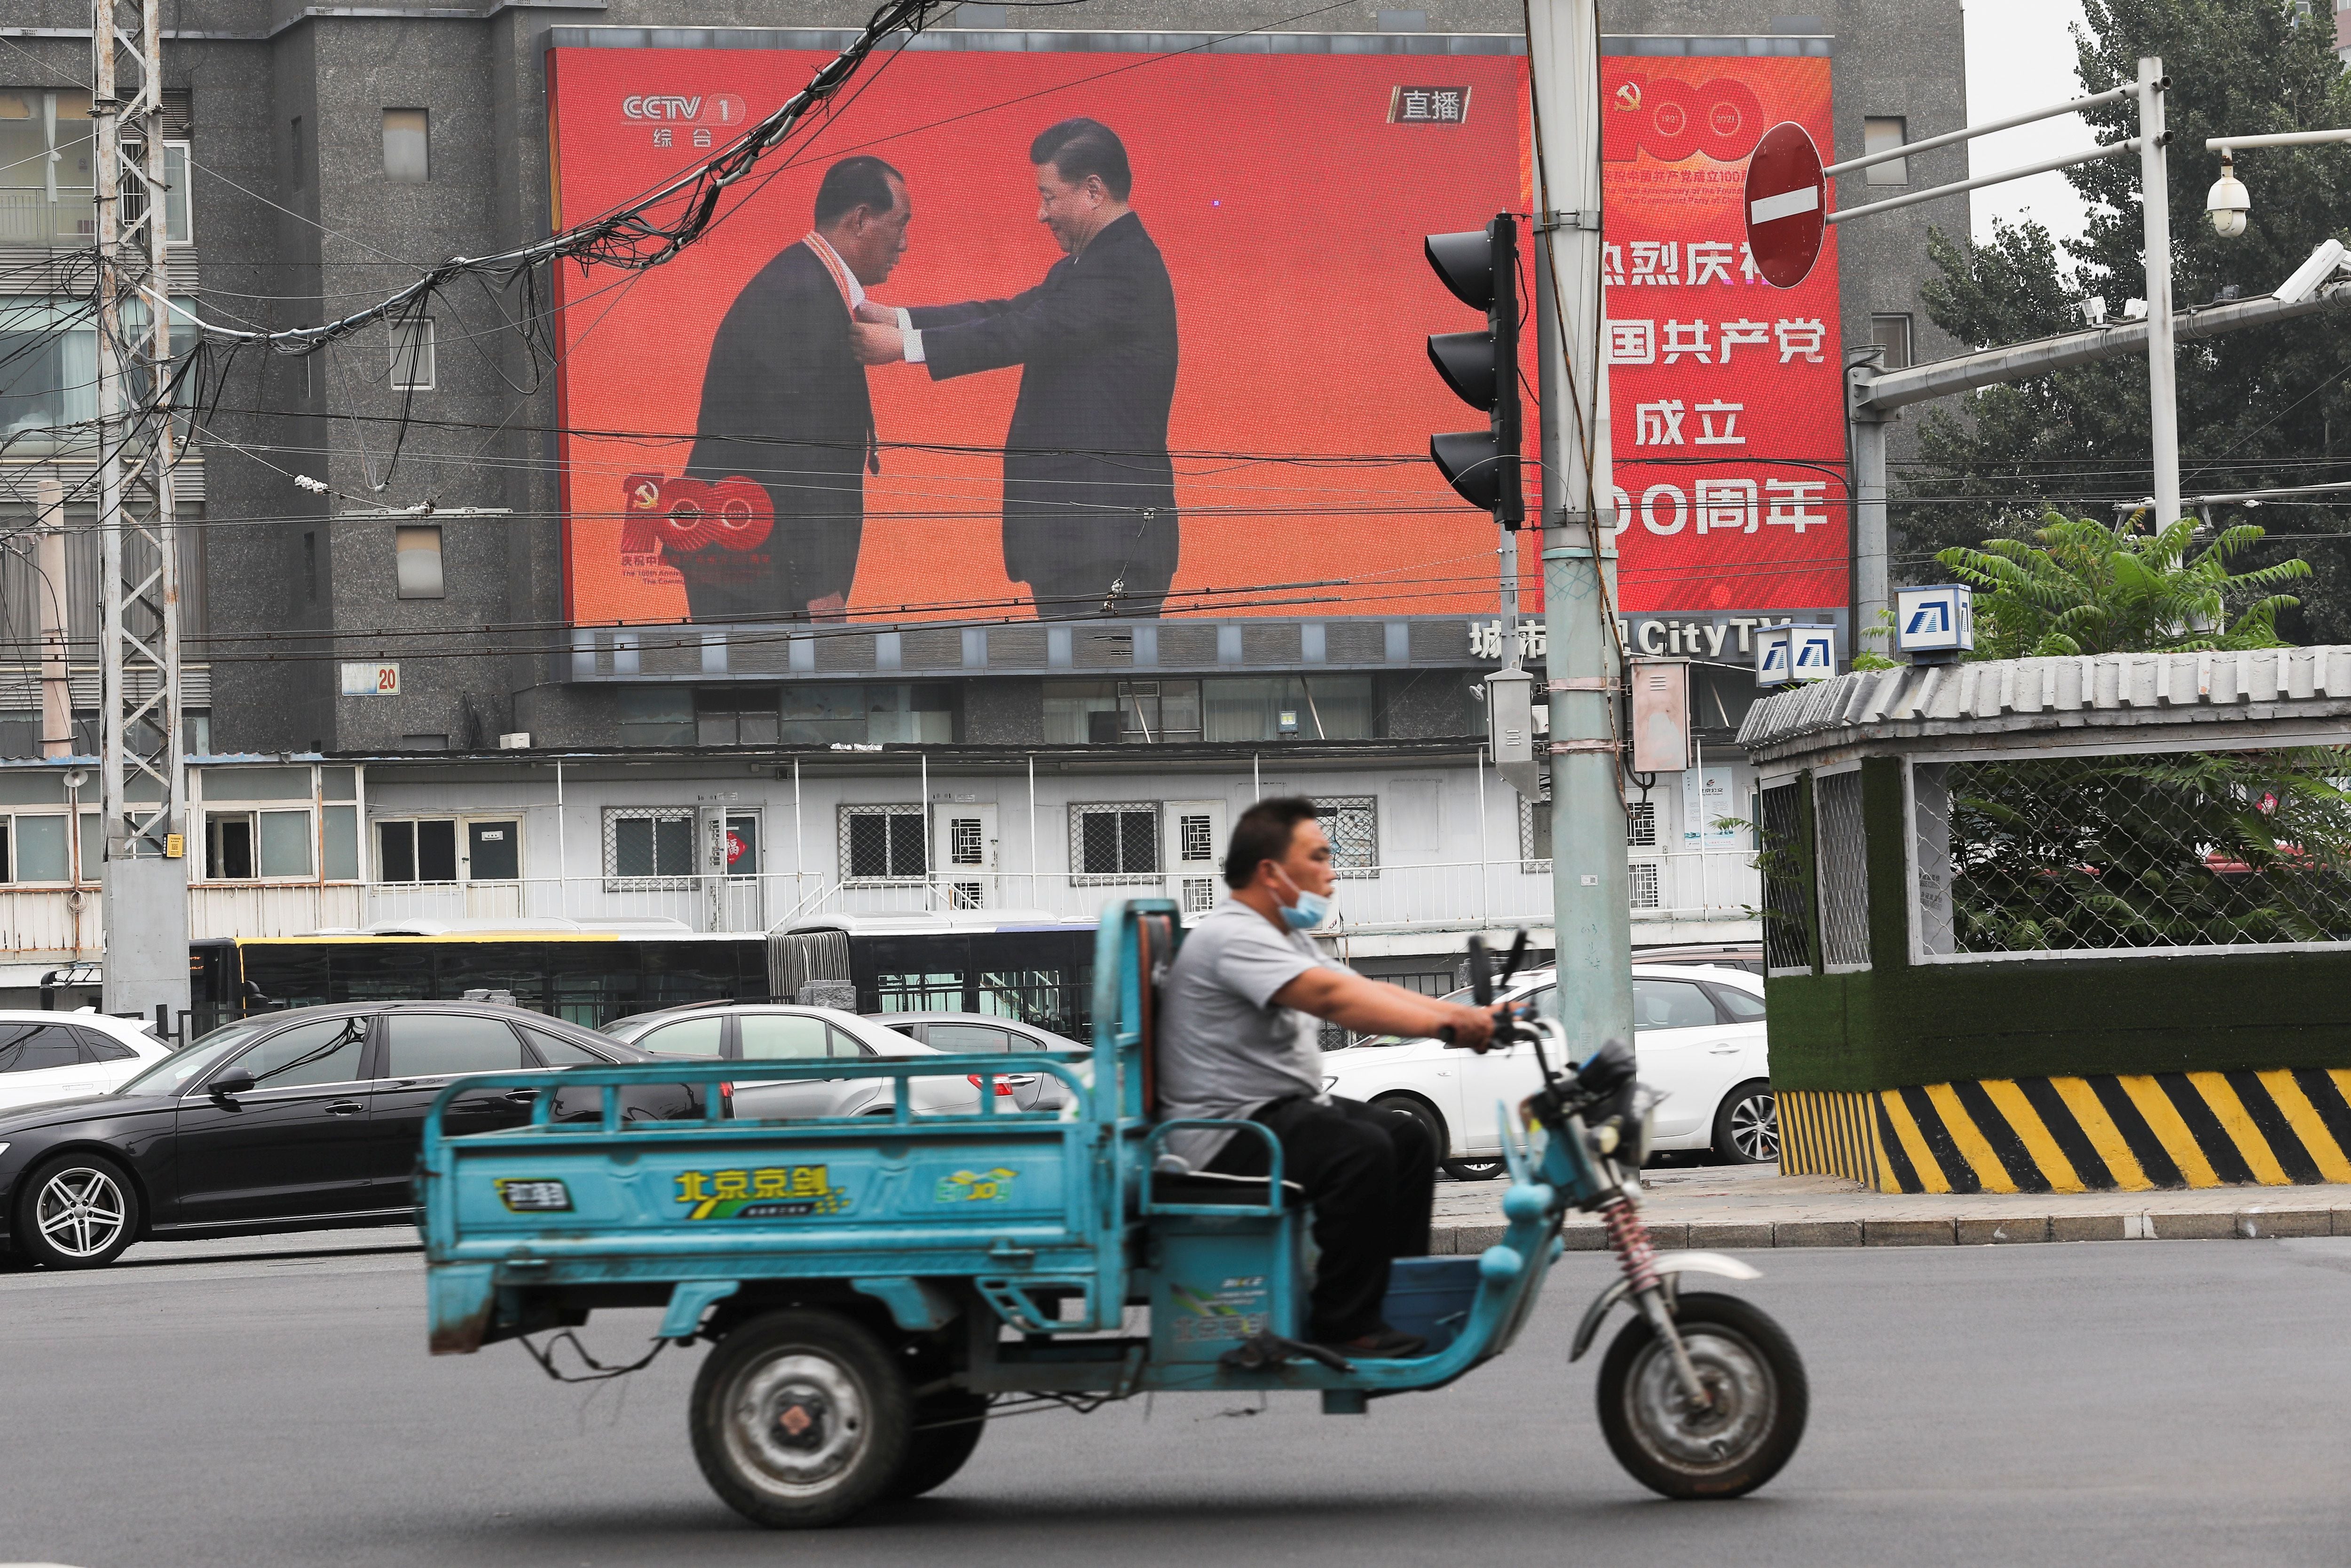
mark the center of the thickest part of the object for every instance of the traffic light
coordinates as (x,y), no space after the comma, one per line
(1482,267)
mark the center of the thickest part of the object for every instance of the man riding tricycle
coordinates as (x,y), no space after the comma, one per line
(877,1291)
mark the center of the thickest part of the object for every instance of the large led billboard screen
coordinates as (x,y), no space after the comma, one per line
(1222,398)
(1226,392)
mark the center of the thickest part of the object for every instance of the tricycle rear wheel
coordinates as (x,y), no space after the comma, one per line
(947,1427)
(1725,1450)
(800,1419)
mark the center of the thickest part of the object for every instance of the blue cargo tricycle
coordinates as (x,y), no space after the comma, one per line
(877,1291)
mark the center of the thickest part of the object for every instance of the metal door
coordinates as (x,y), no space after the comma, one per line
(295,1146)
(743,906)
(964,852)
(1194,854)
(492,867)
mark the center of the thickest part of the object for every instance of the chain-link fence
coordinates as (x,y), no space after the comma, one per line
(2203,848)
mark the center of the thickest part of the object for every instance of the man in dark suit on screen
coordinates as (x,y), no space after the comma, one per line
(1088,490)
(784,402)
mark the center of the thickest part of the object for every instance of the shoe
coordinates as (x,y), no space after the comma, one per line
(1383,1344)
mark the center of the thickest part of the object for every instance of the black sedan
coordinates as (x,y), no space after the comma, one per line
(298,1120)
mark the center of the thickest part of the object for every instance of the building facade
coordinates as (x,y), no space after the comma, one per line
(394,502)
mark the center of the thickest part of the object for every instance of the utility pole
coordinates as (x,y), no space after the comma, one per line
(1591,903)
(141,770)
(49,590)
(2154,207)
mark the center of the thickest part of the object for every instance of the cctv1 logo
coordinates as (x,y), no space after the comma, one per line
(722,110)
(1673,120)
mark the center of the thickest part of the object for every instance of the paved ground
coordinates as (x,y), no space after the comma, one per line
(2066,1405)
(1754,1206)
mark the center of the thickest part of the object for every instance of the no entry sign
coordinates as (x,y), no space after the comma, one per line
(1787,205)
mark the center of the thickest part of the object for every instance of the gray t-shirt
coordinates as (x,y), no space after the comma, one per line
(1224,1049)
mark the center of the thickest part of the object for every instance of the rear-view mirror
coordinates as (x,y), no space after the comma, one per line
(235,1080)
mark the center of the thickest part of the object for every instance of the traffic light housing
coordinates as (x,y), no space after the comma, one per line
(1481,268)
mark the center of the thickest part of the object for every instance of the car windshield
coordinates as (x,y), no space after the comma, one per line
(176,1072)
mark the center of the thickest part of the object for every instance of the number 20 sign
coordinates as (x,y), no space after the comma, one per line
(363,680)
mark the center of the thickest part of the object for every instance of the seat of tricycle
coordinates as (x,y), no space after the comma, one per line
(1214,1187)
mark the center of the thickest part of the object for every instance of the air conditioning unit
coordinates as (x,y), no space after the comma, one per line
(516,740)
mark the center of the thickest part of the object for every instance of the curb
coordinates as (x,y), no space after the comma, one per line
(1730,1236)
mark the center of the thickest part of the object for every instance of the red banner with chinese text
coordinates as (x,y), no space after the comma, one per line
(1725,397)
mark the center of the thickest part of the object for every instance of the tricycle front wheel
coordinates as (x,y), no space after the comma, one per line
(800,1419)
(1728,1447)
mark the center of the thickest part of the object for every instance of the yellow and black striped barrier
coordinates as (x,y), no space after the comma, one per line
(2130,1132)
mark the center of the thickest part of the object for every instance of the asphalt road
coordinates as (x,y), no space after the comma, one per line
(2123,1403)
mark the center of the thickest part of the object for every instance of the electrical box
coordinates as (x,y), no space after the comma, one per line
(1935,625)
(1661,716)
(1511,728)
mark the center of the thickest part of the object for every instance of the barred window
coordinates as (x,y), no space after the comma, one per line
(648,848)
(1641,883)
(1787,892)
(1114,843)
(1641,824)
(1842,865)
(883,843)
(1353,825)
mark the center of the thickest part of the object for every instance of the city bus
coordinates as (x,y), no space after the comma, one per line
(1010,962)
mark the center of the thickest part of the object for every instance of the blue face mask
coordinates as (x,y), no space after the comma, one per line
(1310,910)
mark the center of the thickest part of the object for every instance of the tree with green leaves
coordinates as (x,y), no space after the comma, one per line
(2258,408)
(2079,586)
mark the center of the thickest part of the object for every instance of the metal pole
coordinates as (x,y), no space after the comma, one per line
(50,561)
(2155,204)
(1032,827)
(799,853)
(1591,901)
(562,855)
(1866,431)
(1485,875)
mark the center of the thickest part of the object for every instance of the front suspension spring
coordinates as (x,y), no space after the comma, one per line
(1628,1237)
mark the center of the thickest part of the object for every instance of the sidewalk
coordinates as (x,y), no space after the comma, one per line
(1737,1206)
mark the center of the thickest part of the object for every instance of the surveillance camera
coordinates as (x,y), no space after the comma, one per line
(2227,202)
(2311,274)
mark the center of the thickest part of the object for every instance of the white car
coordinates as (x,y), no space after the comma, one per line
(1698,1034)
(776,1032)
(69,1056)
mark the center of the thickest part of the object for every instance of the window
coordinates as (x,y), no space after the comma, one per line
(1111,712)
(248,846)
(1353,825)
(785,1037)
(434,1045)
(47,167)
(555,1052)
(179,225)
(649,847)
(1892,333)
(33,849)
(1738,1006)
(734,716)
(912,713)
(1670,1004)
(294,153)
(416,852)
(433,742)
(701,1038)
(1287,707)
(97,1048)
(35,1048)
(1114,843)
(884,843)
(412,354)
(407,146)
(416,552)
(1883,133)
(325,1051)
(970,1039)
(656,715)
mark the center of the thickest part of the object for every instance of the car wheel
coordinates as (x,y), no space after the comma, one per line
(1420,1111)
(1747,1125)
(76,1212)
(800,1419)
(1476,1170)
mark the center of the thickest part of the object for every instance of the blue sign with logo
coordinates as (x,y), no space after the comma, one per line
(1937,619)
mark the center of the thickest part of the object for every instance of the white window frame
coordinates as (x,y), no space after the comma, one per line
(73,846)
(1081,877)
(460,823)
(184,184)
(849,813)
(658,882)
(253,811)
(419,330)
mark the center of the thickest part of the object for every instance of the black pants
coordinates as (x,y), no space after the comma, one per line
(1371,1175)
